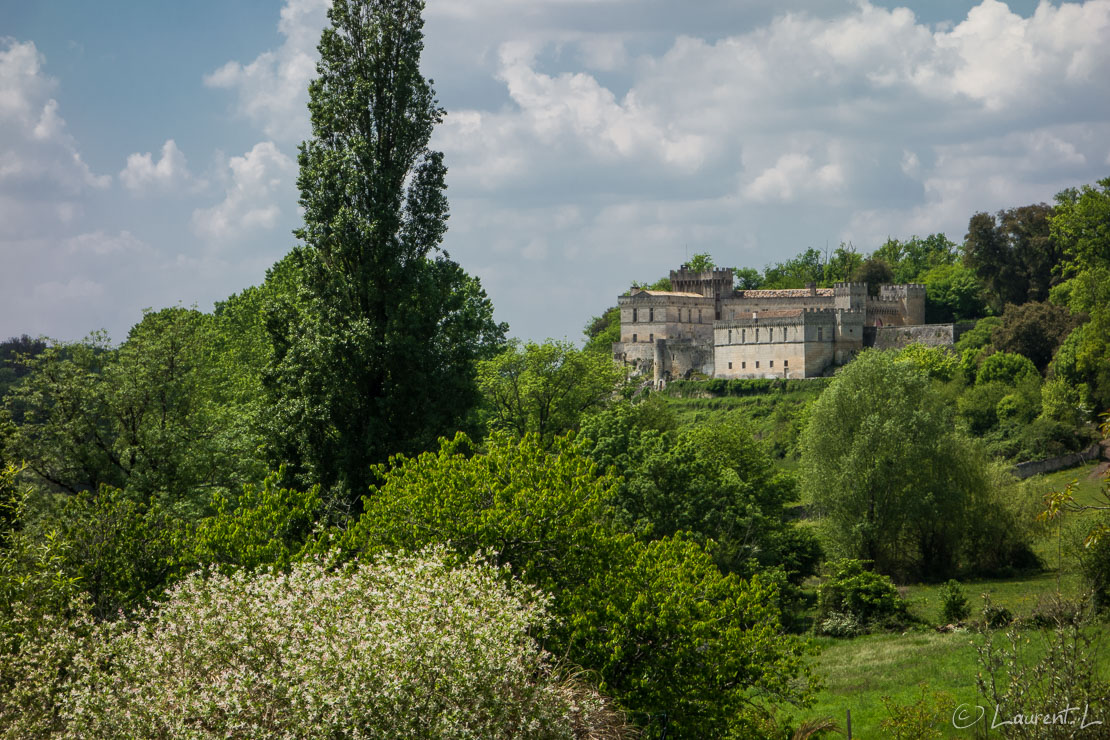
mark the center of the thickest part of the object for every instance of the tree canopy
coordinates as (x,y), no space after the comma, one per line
(1014,254)
(630,610)
(893,481)
(544,389)
(380,357)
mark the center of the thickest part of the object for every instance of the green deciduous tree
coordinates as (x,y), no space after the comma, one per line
(747,278)
(701,262)
(1014,254)
(844,262)
(14,354)
(1005,367)
(1081,226)
(159,416)
(952,293)
(1034,330)
(267,525)
(634,612)
(602,331)
(894,482)
(874,272)
(544,389)
(807,267)
(713,480)
(911,258)
(380,355)
(936,362)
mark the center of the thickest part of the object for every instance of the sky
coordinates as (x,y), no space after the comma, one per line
(148,150)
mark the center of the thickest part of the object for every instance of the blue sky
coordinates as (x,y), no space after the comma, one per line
(148,153)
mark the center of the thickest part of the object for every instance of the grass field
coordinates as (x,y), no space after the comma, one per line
(860,672)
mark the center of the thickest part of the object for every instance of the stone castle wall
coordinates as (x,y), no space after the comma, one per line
(703,326)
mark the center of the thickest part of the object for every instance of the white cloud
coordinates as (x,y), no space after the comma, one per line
(35,151)
(256,183)
(100,244)
(273,88)
(142,173)
(1002,60)
(74,290)
(792,176)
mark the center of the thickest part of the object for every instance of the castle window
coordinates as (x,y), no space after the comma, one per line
(772,363)
(786,363)
(757,364)
(633,316)
(743,366)
(651,314)
(743,335)
(730,366)
(784,333)
(699,315)
(730,336)
(651,337)
(757,335)
(718,314)
(634,338)
(820,334)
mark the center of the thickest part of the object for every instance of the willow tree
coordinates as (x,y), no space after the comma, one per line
(375,353)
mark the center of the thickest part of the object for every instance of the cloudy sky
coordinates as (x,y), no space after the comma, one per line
(148,154)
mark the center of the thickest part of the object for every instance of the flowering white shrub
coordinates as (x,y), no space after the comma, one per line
(404,647)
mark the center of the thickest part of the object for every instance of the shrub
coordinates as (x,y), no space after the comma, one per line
(403,647)
(838,624)
(936,362)
(995,617)
(918,720)
(1006,367)
(955,608)
(850,590)
(978,406)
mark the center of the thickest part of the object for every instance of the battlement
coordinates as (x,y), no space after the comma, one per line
(715,282)
(901,292)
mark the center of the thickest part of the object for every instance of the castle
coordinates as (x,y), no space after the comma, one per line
(702,325)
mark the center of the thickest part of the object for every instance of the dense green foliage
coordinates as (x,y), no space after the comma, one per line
(853,599)
(896,484)
(1014,254)
(544,389)
(602,331)
(160,416)
(954,605)
(712,480)
(1082,228)
(380,355)
(631,610)
(1034,330)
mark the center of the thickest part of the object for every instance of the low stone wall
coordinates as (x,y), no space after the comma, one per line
(1051,464)
(897,337)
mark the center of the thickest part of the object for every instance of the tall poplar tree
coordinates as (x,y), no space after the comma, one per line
(375,354)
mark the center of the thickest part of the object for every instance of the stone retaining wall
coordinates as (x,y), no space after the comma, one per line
(1051,464)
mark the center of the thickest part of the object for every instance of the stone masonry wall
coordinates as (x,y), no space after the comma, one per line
(897,337)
